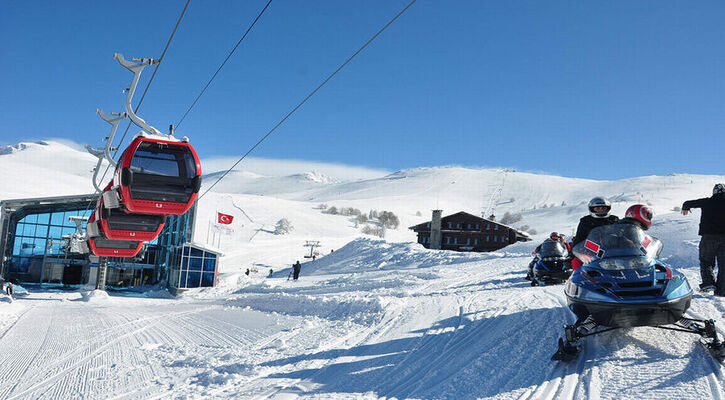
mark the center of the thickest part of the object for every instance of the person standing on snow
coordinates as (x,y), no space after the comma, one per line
(712,243)
(9,289)
(296,270)
(599,209)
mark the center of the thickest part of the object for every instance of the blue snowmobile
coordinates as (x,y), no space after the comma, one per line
(550,264)
(622,284)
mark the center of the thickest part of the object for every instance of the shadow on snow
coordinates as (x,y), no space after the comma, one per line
(471,357)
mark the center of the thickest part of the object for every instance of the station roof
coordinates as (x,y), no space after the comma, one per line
(22,207)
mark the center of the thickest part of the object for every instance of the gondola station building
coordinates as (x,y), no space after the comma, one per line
(31,245)
(466,232)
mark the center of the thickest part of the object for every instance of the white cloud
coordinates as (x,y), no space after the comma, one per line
(283,167)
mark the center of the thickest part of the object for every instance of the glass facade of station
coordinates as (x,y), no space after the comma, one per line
(32,248)
(196,268)
(38,236)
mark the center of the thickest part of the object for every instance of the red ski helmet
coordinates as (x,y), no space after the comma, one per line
(641,213)
(554,236)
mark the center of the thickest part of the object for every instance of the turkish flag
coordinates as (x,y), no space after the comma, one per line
(225,219)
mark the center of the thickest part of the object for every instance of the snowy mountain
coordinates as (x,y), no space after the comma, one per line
(373,319)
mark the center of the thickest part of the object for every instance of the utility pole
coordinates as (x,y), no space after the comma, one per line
(101,278)
(311,244)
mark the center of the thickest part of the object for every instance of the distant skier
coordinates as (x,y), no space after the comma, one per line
(296,270)
(712,243)
(9,289)
(599,209)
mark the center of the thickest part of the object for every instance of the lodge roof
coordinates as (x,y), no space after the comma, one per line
(423,225)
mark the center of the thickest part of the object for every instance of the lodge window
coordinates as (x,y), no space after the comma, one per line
(495,227)
(458,226)
(488,226)
(478,226)
(455,240)
(503,239)
(475,242)
(495,238)
(450,225)
(488,238)
(469,226)
(448,240)
(468,240)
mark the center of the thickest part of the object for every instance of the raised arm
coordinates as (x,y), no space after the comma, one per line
(689,204)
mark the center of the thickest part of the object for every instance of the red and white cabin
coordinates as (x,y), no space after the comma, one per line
(158,176)
(104,247)
(116,224)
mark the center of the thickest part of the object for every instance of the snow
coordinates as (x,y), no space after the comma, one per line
(376,318)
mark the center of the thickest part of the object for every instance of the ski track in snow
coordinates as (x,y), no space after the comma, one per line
(472,329)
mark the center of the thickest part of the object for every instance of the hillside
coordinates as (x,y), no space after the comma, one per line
(374,319)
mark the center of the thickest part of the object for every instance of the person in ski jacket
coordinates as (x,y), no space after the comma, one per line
(553,237)
(712,242)
(296,270)
(599,215)
(9,289)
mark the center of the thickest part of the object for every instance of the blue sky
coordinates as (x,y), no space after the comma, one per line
(601,90)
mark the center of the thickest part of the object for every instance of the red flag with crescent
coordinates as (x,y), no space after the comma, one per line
(225,219)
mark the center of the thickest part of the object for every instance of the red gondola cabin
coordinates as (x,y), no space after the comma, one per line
(116,224)
(103,247)
(158,176)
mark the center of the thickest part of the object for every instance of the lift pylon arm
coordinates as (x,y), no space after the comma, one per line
(105,152)
(136,66)
(114,120)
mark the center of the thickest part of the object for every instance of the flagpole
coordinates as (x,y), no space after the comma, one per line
(208,229)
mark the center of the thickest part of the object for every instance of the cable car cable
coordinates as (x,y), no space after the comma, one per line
(309,96)
(148,85)
(176,127)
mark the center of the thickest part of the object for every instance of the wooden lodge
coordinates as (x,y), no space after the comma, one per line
(466,232)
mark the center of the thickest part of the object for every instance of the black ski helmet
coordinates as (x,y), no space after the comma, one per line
(719,188)
(599,202)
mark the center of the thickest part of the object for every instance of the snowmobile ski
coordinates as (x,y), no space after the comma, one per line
(567,352)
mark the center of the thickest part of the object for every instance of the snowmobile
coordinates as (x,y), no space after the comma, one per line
(551,264)
(623,284)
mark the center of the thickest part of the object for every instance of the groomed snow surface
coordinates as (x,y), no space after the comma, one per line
(374,319)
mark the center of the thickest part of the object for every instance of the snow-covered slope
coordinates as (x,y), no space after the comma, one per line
(44,168)
(373,319)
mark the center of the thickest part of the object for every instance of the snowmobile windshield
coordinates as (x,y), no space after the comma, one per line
(617,240)
(552,249)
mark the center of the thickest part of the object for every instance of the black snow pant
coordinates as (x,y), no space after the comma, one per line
(712,247)
(296,273)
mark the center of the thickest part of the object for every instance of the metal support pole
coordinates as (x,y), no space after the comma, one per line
(101,277)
